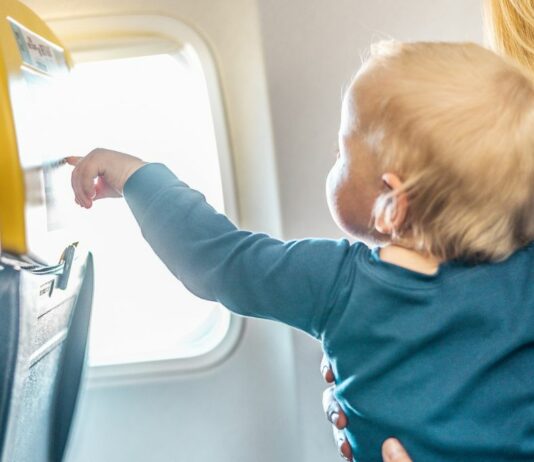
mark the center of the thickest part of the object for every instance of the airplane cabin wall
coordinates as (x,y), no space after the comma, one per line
(299,54)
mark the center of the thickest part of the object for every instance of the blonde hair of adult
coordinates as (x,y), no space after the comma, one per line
(456,123)
(511,27)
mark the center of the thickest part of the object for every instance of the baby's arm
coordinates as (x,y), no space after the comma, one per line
(252,274)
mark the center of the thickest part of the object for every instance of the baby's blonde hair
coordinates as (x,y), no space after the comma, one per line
(456,123)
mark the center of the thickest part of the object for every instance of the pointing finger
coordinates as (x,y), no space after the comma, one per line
(73,160)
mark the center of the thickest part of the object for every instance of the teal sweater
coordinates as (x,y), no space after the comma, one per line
(443,362)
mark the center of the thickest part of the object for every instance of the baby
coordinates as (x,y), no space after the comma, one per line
(431,335)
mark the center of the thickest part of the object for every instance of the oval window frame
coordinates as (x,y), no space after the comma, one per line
(120,36)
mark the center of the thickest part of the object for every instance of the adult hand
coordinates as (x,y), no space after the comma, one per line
(334,413)
(392,450)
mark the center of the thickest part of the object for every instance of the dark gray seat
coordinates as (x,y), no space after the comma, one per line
(43,338)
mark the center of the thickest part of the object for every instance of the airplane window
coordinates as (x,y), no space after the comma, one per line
(156,107)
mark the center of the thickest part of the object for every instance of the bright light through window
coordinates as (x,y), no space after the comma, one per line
(157,108)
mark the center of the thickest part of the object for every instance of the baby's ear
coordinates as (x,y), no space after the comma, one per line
(389,211)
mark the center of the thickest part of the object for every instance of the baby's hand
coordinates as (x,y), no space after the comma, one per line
(110,169)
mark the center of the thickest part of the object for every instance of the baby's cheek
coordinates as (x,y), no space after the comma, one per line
(335,192)
(332,187)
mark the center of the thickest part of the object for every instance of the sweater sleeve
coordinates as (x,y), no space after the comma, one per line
(252,274)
